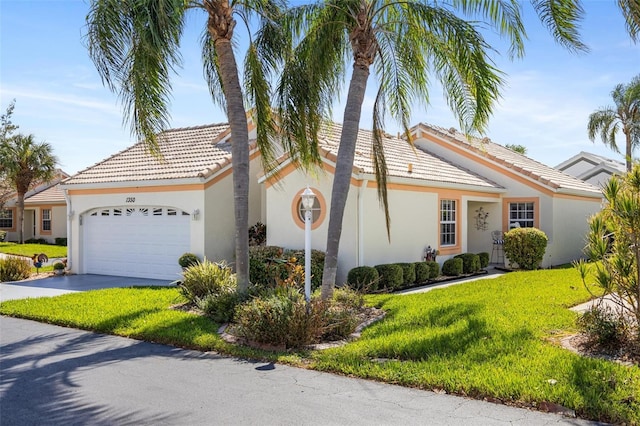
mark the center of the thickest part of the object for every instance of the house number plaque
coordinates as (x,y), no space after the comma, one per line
(130,199)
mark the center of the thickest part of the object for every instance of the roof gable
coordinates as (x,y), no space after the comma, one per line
(508,159)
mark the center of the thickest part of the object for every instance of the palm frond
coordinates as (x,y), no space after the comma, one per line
(562,18)
(603,123)
(631,12)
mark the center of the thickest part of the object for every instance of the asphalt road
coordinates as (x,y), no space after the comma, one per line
(59,376)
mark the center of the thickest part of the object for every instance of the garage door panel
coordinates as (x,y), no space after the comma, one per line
(138,242)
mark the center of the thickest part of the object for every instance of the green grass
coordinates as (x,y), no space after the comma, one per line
(30,249)
(488,338)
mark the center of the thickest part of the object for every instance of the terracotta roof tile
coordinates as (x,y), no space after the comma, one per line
(189,152)
(522,164)
(51,195)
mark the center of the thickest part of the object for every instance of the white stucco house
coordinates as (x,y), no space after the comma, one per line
(45,212)
(134,214)
(592,168)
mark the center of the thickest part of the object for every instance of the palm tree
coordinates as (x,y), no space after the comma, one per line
(406,42)
(135,47)
(24,162)
(631,12)
(625,116)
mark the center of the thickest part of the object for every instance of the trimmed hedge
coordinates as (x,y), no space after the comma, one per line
(422,272)
(61,241)
(363,278)
(390,276)
(452,267)
(470,262)
(434,269)
(525,246)
(408,273)
(484,259)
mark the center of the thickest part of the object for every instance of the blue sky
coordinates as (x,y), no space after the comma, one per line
(60,98)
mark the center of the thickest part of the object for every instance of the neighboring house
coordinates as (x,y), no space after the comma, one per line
(45,212)
(592,168)
(439,196)
(134,214)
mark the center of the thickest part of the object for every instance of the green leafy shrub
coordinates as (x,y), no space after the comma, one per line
(14,269)
(3,236)
(603,328)
(206,278)
(36,241)
(258,234)
(390,276)
(60,241)
(434,269)
(58,266)
(525,246)
(267,265)
(220,306)
(452,267)
(470,262)
(188,259)
(484,259)
(408,273)
(422,272)
(363,278)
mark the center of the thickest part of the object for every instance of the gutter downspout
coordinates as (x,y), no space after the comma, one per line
(360,227)
(70,215)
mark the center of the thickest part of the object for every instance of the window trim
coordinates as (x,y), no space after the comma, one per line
(13,211)
(294,208)
(506,204)
(42,210)
(455,248)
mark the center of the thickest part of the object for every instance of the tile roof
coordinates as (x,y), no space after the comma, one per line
(189,152)
(399,154)
(512,160)
(51,195)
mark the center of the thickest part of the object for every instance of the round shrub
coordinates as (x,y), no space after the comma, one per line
(422,272)
(452,267)
(390,276)
(525,246)
(14,269)
(484,259)
(408,273)
(220,306)
(364,278)
(58,266)
(188,259)
(434,269)
(470,262)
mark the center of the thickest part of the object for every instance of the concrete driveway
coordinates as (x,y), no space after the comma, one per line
(57,285)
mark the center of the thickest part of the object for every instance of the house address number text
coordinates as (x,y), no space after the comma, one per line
(131,199)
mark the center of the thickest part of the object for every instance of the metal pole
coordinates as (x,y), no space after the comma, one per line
(307,255)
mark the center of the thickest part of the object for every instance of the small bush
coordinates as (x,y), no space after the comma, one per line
(390,276)
(603,328)
(434,269)
(408,273)
(206,278)
(14,269)
(267,265)
(220,306)
(484,259)
(452,267)
(3,236)
(36,241)
(60,241)
(258,234)
(422,272)
(363,278)
(188,259)
(470,262)
(525,246)
(58,266)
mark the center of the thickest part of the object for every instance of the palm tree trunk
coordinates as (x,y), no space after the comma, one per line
(342,178)
(239,156)
(629,149)
(20,217)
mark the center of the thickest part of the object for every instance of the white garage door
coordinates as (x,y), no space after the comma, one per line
(143,242)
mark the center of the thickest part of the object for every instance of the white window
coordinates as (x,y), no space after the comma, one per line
(46,219)
(6,218)
(447,222)
(315,210)
(521,215)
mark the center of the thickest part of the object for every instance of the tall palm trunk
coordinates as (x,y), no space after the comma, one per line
(20,217)
(629,149)
(220,27)
(342,178)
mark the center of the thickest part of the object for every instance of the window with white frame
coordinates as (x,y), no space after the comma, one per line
(447,222)
(6,218)
(521,215)
(46,219)
(315,210)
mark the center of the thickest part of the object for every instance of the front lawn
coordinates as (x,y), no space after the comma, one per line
(494,339)
(30,249)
